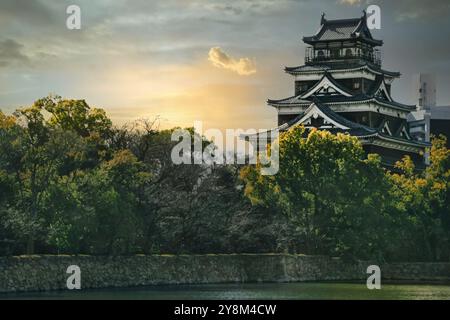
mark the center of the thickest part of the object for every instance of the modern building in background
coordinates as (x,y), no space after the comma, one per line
(342,87)
(428,118)
(425,90)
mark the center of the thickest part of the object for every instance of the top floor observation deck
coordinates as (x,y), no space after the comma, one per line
(342,55)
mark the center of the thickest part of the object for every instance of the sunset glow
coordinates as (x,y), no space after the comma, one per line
(212,61)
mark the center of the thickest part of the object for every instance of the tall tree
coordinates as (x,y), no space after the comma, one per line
(331,193)
(421,206)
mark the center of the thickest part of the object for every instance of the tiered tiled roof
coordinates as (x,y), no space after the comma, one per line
(343,29)
(347,126)
(370,96)
(349,67)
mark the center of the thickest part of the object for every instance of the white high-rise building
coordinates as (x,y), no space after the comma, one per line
(428,119)
(425,91)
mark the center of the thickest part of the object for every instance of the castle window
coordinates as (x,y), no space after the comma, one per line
(320,55)
(335,53)
(356,85)
(348,53)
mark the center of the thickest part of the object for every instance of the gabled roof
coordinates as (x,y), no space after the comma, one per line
(403,141)
(326,83)
(340,120)
(336,123)
(343,29)
(294,100)
(362,131)
(348,67)
(402,131)
(394,104)
(379,90)
(362,98)
(384,127)
(307,69)
(378,93)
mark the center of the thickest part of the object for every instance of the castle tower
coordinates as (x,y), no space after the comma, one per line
(342,87)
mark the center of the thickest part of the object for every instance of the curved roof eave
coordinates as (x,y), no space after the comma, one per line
(296,71)
(299,103)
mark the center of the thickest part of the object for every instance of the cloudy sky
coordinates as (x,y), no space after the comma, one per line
(184,60)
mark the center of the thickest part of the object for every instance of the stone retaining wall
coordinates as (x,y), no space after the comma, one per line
(37,273)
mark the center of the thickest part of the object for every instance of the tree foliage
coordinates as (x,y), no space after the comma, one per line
(71,182)
(329,191)
(421,205)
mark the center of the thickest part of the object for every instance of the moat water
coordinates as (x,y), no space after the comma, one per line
(282,291)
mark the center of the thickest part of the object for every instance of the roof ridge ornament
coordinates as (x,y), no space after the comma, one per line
(343,29)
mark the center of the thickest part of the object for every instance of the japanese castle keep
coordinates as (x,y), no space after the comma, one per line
(343,88)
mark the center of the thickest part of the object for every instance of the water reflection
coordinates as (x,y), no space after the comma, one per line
(282,291)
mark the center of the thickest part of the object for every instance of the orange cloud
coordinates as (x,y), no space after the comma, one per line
(351,2)
(220,59)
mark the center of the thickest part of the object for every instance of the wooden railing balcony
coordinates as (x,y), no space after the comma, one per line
(339,55)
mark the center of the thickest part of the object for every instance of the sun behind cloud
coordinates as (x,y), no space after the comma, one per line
(220,59)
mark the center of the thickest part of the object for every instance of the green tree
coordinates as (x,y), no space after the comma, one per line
(75,115)
(38,149)
(328,189)
(421,206)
